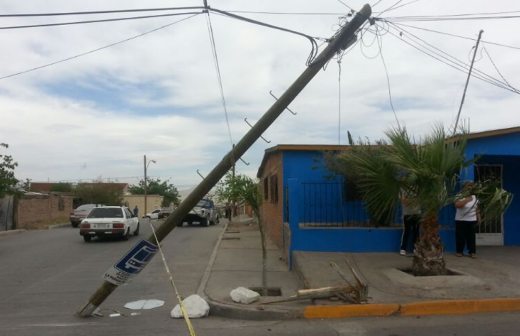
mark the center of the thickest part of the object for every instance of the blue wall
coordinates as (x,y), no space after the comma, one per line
(504,150)
(297,169)
(307,166)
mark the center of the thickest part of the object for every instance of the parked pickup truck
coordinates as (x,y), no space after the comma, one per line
(204,214)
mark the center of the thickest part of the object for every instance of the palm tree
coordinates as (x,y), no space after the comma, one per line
(429,171)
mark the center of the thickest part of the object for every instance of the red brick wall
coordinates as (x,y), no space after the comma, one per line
(272,213)
(40,211)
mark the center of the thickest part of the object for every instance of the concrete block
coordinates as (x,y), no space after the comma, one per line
(244,295)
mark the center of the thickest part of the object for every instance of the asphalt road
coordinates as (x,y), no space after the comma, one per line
(47,275)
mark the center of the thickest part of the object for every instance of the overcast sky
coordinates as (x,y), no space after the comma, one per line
(96,115)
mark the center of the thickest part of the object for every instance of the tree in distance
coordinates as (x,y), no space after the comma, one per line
(7,178)
(155,186)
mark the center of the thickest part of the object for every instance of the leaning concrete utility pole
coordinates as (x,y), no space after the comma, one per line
(132,262)
(467,82)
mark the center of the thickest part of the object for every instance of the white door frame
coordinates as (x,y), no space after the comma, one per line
(492,238)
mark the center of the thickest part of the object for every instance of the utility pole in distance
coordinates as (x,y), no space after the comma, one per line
(338,42)
(467,82)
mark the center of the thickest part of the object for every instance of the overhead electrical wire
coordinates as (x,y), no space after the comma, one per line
(390,8)
(97,49)
(495,66)
(445,58)
(312,54)
(312,40)
(219,75)
(380,46)
(455,35)
(403,5)
(447,18)
(448,57)
(94,21)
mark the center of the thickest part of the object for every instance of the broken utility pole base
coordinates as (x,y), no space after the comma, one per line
(339,41)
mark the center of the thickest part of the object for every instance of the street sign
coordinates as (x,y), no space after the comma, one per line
(132,263)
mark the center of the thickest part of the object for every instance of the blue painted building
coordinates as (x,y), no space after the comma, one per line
(308,208)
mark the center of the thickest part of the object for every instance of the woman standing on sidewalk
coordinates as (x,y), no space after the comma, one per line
(466,218)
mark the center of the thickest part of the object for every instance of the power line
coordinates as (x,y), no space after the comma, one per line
(312,40)
(447,59)
(219,75)
(462,65)
(403,5)
(495,66)
(390,8)
(287,13)
(447,18)
(312,55)
(101,12)
(97,49)
(380,45)
(345,4)
(314,48)
(462,14)
(95,21)
(455,35)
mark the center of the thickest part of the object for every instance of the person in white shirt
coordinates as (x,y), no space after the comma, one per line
(466,218)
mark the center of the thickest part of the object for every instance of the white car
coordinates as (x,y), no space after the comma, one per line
(109,221)
(153,215)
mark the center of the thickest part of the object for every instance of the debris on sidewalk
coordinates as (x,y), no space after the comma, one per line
(359,291)
(351,293)
(144,304)
(195,307)
(244,295)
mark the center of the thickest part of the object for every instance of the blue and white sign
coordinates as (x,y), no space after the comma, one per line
(132,263)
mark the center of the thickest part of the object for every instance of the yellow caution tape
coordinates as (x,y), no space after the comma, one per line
(179,298)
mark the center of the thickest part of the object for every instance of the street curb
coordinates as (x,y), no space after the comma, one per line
(11,232)
(57,226)
(420,308)
(343,311)
(460,307)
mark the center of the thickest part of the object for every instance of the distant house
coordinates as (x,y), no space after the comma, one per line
(308,208)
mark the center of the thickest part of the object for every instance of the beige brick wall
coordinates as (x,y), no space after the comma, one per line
(40,211)
(152,202)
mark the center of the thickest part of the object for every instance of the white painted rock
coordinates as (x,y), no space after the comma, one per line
(195,307)
(244,295)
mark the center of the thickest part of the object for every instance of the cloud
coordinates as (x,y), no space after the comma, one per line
(158,95)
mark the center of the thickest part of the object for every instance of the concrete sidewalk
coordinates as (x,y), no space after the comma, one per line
(490,283)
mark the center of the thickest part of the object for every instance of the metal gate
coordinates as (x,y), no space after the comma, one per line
(6,213)
(490,231)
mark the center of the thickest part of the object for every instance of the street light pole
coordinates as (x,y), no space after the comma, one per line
(146,164)
(145,189)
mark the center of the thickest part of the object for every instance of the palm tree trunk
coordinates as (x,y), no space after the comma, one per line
(428,257)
